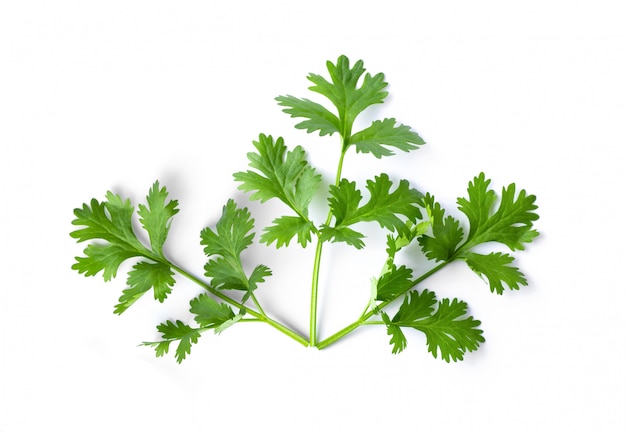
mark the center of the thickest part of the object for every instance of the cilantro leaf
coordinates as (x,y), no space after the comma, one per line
(398,340)
(511,224)
(446,233)
(383,205)
(285,175)
(109,223)
(209,313)
(344,93)
(171,332)
(318,118)
(143,277)
(157,216)
(394,282)
(232,235)
(450,333)
(344,201)
(495,267)
(416,306)
(342,234)
(103,257)
(287,227)
(258,275)
(385,133)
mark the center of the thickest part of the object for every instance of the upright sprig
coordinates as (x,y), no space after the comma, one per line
(350,91)
(395,299)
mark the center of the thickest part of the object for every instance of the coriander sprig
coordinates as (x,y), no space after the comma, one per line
(405,214)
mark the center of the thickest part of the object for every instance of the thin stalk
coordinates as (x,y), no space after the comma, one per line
(256,302)
(316,265)
(362,320)
(257,315)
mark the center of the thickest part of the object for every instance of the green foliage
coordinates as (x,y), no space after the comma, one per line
(446,233)
(497,269)
(110,222)
(450,333)
(511,224)
(381,134)
(411,220)
(179,332)
(232,236)
(396,281)
(287,176)
(383,207)
(143,277)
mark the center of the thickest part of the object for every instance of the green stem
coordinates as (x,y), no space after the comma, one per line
(314,288)
(316,265)
(256,302)
(362,320)
(260,316)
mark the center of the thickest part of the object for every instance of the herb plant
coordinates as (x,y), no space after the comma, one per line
(276,172)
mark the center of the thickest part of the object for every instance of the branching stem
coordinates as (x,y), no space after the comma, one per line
(260,316)
(368,314)
(316,265)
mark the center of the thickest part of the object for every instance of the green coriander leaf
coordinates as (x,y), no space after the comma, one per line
(511,224)
(103,257)
(287,227)
(383,205)
(233,232)
(398,340)
(152,275)
(394,282)
(232,235)
(143,277)
(110,222)
(383,134)
(156,217)
(344,91)
(344,201)
(162,348)
(209,313)
(446,233)
(449,332)
(496,268)
(342,235)
(416,306)
(281,174)
(318,118)
(226,274)
(178,331)
(478,207)
(257,276)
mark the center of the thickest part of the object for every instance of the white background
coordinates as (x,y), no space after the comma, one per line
(98,96)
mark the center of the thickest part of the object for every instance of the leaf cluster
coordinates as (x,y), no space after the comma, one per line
(109,228)
(276,171)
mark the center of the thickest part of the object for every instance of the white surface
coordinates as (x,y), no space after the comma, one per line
(113,95)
